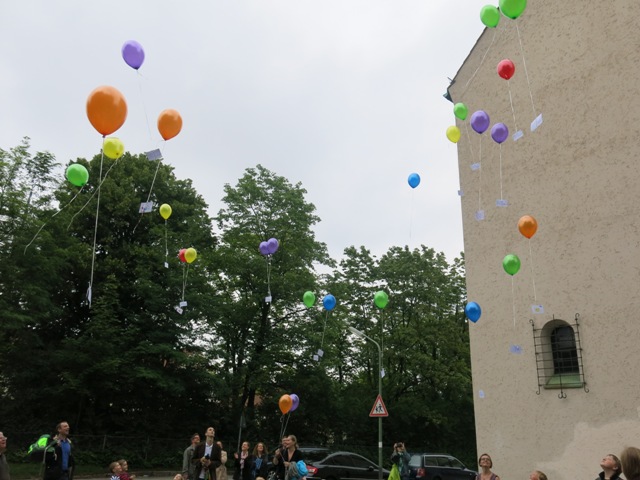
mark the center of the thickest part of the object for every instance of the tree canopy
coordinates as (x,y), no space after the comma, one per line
(242,338)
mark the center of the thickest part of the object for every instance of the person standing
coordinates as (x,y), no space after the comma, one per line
(260,462)
(287,454)
(486,464)
(60,463)
(243,463)
(537,475)
(188,468)
(207,457)
(221,471)
(400,457)
(4,466)
(630,461)
(611,468)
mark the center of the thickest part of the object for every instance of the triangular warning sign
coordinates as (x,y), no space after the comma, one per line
(379,410)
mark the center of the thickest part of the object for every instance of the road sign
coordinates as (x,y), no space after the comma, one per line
(379,410)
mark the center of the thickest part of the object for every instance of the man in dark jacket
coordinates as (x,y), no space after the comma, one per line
(206,457)
(60,463)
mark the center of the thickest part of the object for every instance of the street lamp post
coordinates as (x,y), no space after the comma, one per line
(360,334)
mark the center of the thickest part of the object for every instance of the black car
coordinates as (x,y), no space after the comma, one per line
(342,466)
(438,466)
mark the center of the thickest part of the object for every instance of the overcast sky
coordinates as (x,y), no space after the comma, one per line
(344,96)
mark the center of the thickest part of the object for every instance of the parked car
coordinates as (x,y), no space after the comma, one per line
(438,466)
(341,466)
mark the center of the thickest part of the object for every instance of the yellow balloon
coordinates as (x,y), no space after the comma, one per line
(190,255)
(453,133)
(113,147)
(165,210)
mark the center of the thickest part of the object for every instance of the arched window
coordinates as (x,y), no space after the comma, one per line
(563,350)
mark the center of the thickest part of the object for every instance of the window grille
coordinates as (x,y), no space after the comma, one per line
(559,355)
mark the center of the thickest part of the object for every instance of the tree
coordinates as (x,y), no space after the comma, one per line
(127,358)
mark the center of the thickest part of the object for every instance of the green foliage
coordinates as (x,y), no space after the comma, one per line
(129,363)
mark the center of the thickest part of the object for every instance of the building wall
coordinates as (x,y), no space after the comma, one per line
(578,174)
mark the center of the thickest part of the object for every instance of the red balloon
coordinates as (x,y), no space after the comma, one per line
(506,69)
(181,256)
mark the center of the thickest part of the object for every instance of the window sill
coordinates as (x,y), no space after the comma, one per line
(564,381)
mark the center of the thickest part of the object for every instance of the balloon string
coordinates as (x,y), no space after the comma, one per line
(149,195)
(95,230)
(524,64)
(533,276)
(45,223)
(481,62)
(143,105)
(94,192)
(166,244)
(469,140)
(326,316)
(501,196)
(512,110)
(185,275)
(513,302)
(480,176)
(286,423)
(411,214)
(269,275)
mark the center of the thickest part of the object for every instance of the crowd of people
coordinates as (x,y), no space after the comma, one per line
(207,461)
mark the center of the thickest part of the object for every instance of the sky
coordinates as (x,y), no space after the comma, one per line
(343,96)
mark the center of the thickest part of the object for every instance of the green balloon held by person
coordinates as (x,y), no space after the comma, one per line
(511,264)
(381,299)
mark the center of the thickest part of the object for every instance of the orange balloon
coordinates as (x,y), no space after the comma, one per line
(527,226)
(106,109)
(285,403)
(169,123)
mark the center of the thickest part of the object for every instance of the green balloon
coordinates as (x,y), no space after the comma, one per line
(77,174)
(460,110)
(512,8)
(511,264)
(381,299)
(490,16)
(309,299)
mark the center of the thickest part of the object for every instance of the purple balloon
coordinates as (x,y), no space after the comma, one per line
(499,132)
(272,245)
(480,121)
(133,54)
(296,402)
(264,248)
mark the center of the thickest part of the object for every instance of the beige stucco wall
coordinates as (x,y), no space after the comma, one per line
(579,176)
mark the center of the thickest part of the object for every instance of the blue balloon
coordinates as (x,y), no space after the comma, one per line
(473,311)
(414,180)
(329,302)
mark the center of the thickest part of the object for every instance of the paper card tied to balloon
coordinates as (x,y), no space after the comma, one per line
(146,207)
(536,123)
(537,309)
(479,215)
(154,154)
